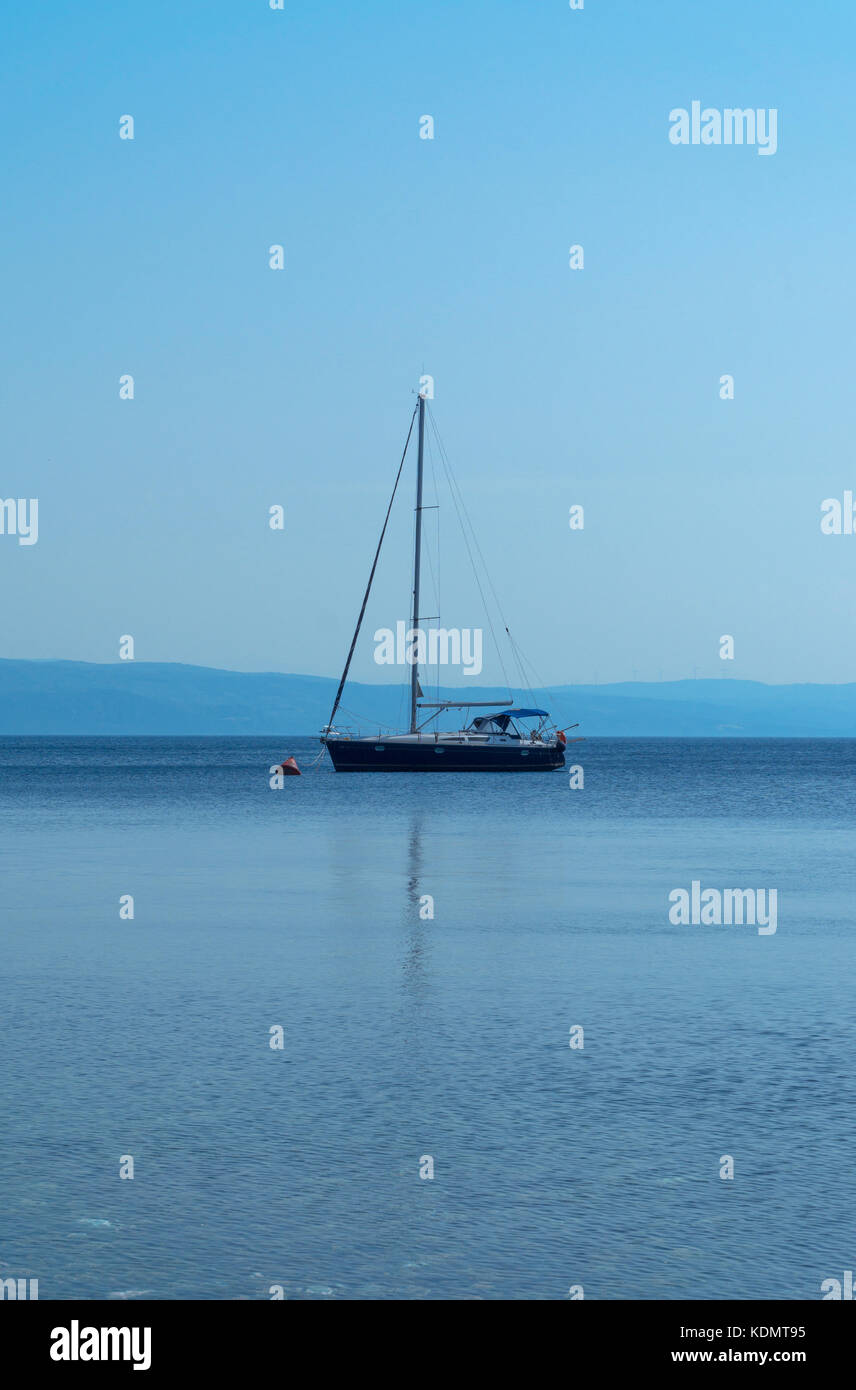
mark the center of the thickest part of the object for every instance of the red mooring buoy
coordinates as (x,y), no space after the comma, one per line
(289,768)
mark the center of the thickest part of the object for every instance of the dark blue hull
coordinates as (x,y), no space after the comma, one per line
(355,755)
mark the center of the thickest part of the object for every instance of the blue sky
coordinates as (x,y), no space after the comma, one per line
(553,387)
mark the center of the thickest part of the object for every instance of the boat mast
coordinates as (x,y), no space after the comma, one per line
(417,552)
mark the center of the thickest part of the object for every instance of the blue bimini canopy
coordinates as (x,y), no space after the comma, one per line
(529,713)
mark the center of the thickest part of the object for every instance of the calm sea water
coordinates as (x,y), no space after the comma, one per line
(407,1037)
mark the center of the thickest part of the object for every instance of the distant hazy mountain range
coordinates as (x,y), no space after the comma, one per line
(76,697)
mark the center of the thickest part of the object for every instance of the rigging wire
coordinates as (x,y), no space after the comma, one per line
(460,506)
(371,723)
(372,575)
(540,683)
(435,577)
(515,649)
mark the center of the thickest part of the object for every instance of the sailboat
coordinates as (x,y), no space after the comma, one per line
(502,741)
